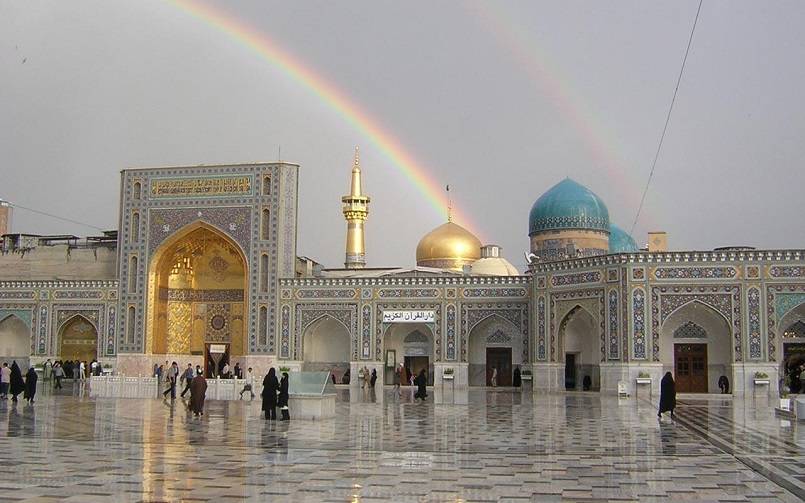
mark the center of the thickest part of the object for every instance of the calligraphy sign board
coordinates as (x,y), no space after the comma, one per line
(240,185)
(409,316)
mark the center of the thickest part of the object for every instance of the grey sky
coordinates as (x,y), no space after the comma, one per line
(501,100)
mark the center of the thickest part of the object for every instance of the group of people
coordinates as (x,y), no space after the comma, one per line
(275,394)
(11,382)
(69,369)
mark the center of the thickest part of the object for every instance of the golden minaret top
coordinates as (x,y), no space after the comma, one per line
(355,209)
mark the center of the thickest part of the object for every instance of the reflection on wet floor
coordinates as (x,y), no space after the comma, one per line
(474,444)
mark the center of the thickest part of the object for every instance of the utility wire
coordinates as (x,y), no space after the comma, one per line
(15,205)
(667,118)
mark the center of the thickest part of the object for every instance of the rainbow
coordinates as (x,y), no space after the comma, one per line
(600,141)
(267,49)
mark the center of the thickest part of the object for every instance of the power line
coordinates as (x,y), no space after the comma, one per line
(667,118)
(51,215)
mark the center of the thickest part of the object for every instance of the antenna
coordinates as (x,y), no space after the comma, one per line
(279,153)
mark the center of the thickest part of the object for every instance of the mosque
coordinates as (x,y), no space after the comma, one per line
(203,268)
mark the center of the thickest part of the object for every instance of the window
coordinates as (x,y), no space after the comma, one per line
(267,186)
(690,330)
(264,273)
(133,274)
(136,191)
(266,225)
(135,227)
(130,322)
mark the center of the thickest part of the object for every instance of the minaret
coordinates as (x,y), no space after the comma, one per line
(356,210)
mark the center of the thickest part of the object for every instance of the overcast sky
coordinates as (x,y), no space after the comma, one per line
(500,100)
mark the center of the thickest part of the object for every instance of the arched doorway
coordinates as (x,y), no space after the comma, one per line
(580,344)
(15,340)
(792,348)
(326,347)
(197,291)
(494,343)
(696,346)
(78,340)
(412,345)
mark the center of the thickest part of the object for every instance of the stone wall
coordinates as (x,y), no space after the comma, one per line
(59,262)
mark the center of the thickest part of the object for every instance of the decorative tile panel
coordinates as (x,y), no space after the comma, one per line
(285,331)
(450,333)
(576,278)
(408,293)
(381,327)
(614,336)
(592,300)
(233,221)
(541,353)
(695,272)
(493,292)
(753,326)
(639,323)
(787,271)
(366,331)
(326,293)
(516,313)
(780,299)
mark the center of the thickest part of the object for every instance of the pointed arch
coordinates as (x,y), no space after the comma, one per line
(695,302)
(78,338)
(326,344)
(15,337)
(198,261)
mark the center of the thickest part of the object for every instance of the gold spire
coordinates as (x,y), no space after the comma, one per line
(356,210)
(449,204)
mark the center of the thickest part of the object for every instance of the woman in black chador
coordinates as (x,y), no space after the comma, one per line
(421,381)
(30,385)
(17,384)
(517,381)
(724,384)
(282,401)
(667,395)
(270,387)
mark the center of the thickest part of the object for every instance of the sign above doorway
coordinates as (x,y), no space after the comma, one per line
(409,316)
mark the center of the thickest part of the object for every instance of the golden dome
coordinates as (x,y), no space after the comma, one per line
(449,246)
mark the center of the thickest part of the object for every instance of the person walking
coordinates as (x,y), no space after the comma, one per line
(30,385)
(17,384)
(198,393)
(47,370)
(364,377)
(249,384)
(270,387)
(421,382)
(282,400)
(5,380)
(517,381)
(667,395)
(373,378)
(238,371)
(494,379)
(187,377)
(173,376)
(58,375)
(398,379)
(82,371)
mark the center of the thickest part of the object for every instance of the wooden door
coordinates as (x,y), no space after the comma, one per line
(500,359)
(690,365)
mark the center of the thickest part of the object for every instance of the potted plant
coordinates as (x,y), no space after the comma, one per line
(447,375)
(643,377)
(785,390)
(107,368)
(526,375)
(761,379)
(285,369)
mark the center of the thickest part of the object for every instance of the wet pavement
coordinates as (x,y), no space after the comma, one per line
(480,445)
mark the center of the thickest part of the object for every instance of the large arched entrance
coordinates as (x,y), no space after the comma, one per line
(197,290)
(78,340)
(412,345)
(495,346)
(15,340)
(695,344)
(326,347)
(580,343)
(792,348)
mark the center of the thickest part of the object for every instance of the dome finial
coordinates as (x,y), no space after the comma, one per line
(449,204)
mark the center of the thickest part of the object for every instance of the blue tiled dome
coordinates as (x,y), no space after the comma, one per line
(620,241)
(568,205)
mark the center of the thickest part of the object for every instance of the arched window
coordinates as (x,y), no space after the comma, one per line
(795,330)
(136,191)
(266,224)
(135,227)
(267,186)
(262,324)
(264,273)
(130,321)
(133,274)
(690,330)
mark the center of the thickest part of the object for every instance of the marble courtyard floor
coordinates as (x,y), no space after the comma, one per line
(480,446)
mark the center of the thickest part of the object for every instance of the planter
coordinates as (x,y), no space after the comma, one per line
(643,380)
(785,403)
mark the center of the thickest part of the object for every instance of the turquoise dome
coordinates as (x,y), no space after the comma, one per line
(568,205)
(620,241)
